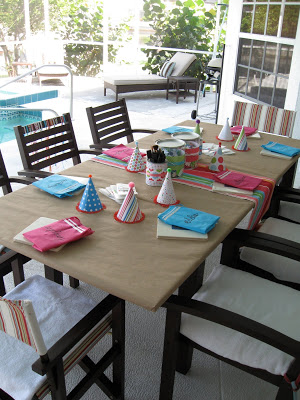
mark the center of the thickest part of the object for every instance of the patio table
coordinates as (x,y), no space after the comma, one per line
(122,259)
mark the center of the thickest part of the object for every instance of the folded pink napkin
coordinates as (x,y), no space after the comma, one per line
(58,233)
(238,180)
(236,130)
(121,152)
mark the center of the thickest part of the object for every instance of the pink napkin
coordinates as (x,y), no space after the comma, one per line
(236,130)
(238,180)
(121,152)
(58,233)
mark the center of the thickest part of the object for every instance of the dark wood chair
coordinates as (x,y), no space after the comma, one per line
(42,145)
(110,122)
(239,318)
(285,204)
(60,325)
(46,143)
(10,261)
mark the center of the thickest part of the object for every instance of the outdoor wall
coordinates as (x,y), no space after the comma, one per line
(227,97)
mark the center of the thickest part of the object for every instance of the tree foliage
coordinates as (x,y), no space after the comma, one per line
(186,26)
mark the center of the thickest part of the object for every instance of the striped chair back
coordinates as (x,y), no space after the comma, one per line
(18,319)
(264,118)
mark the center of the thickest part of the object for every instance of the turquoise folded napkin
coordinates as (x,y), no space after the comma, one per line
(173,129)
(281,149)
(189,218)
(59,186)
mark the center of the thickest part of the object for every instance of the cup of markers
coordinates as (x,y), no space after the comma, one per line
(174,150)
(156,166)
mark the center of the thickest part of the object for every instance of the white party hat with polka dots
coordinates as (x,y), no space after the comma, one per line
(217,161)
(90,202)
(166,196)
(136,163)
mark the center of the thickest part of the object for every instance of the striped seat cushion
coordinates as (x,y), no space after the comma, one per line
(167,69)
(264,118)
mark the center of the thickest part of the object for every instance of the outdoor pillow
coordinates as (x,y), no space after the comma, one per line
(167,69)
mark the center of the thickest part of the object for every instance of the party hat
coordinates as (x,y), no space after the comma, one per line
(241,142)
(90,202)
(225,133)
(136,163)
(197,127)
(129,212)
(166,196)
(217,161)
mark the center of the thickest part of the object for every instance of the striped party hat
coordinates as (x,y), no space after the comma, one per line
(129,212)
(241,142)
(217,161)
(225,133)
(166,196)
(90,202)
(136,163)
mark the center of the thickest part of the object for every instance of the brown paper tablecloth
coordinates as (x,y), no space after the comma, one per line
(125,260)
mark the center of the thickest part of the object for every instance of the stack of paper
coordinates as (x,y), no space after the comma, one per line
(209,149)
(117,192)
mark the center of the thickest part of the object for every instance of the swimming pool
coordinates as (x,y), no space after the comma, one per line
(9,118)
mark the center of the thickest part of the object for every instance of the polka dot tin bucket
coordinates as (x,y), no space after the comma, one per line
(174,150)
(192,141)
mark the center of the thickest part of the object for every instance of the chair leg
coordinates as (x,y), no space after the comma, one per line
(18,271)
(56,378)
(169,355)
(118,336)
(74,283)
(53,275)
(284,392)
(184,357)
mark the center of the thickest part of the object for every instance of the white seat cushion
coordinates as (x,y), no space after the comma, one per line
(58,308)
(282,268)
(134,79)
(271,304)
(290,210)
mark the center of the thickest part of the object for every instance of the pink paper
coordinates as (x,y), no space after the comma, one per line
(58,233)
(237,180)
(236,130)
(121,152)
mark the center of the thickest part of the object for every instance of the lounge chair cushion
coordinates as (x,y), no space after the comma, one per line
(182,62)
(273,305)
(167,69)
(282,268)
(135,80)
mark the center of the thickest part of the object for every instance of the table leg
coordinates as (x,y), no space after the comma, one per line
(288,178)
(177,91)
(167,92)
(196,90)
(53,275)
(193,283)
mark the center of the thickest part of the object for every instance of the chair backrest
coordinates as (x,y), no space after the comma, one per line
(264,118)
(18,319)
(109,122)
(47,142)
(4,180)
(182,62)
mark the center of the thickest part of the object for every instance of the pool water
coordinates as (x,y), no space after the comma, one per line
(7,127)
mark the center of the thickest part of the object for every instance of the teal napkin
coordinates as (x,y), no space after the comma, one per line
(174,129)
(59,186)
(189,218)
(281,149)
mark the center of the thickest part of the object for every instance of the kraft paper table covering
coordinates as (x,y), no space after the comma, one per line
(125,260)
(251,162)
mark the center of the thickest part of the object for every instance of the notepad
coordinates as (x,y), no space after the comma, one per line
(42,221)
(264,152)
(166,231)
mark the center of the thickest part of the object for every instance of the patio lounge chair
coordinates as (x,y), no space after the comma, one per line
(138,83)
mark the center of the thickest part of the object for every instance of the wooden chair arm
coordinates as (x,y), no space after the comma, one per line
(90,151)
(32,173)
(24,180)
(144,130)
(262,241)
(234,321)
(74,335)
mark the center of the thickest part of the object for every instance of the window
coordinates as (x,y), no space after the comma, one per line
(267,36)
